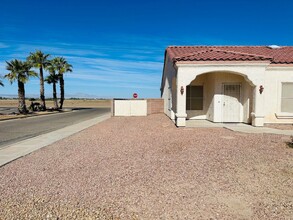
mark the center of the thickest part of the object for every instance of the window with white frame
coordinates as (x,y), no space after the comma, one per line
(287,97)
(194,97)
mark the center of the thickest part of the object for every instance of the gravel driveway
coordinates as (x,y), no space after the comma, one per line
(146,168)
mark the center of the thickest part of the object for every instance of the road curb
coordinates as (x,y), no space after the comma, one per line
(14,151)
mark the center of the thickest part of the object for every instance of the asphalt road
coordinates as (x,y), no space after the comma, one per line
(12,131)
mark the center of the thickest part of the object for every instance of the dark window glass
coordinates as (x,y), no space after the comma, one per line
(194,98)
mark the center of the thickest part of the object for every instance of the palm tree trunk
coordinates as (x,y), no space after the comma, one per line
(61,79)
(42,89)
(21,98)
(55,96)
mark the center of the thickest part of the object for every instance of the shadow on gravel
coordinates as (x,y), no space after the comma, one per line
(290,143)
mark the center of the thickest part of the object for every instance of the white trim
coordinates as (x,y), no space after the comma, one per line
(217,64)
(284,115)
(282,68)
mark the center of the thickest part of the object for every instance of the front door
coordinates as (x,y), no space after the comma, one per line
(231,103)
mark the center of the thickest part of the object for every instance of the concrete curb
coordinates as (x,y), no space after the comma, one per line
(14,151)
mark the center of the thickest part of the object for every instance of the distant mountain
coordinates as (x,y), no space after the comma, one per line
(8,96)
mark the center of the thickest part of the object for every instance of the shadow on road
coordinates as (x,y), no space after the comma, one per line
(80,108)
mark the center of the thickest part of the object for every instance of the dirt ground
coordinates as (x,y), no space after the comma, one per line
(86,103)
(146,168)
(67,103)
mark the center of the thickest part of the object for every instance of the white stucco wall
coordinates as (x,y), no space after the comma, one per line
(256,108)
(275,76)
(169,88)
(130,107)
(247,101)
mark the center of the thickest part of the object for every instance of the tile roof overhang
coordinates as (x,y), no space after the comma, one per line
(282,55)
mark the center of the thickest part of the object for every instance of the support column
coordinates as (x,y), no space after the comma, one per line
(258,113)
(181,101)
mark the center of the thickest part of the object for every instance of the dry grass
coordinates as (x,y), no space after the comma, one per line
(6,117)
(67,104)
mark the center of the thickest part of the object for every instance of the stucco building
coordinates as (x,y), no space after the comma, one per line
(246,84)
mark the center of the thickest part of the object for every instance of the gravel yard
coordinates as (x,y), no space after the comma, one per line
(146,168)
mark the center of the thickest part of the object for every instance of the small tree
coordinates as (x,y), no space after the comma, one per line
(20,72)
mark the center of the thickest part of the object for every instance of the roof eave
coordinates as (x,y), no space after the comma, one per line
(224,62)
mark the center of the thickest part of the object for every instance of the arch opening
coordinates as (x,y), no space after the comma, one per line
(220,96)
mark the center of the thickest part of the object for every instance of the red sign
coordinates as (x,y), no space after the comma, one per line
(135,95)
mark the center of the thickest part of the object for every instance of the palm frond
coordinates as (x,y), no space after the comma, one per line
(52,79)
(62,65)
(38,59)
(19,70)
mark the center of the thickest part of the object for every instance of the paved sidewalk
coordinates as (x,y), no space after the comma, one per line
(22,148)
(256,130)
(238,127)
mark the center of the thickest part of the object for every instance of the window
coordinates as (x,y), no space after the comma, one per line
(194,98)
(287,97)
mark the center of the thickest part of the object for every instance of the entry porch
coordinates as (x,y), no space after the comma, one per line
(219,96)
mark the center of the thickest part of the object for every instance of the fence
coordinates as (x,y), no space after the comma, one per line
(137,107)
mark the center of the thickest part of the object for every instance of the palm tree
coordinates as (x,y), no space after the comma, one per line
(1,83)
(53,79)
(20,71)
(40,60)
(62,66)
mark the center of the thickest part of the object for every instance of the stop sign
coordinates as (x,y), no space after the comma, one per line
(135,95)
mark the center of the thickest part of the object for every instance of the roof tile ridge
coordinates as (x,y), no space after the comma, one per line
(193,53)
(242,53)
(217,46)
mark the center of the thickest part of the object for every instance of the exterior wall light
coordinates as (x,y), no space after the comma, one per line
(182,90)
(261,88)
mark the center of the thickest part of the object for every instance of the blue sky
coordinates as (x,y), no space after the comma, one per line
(117,47)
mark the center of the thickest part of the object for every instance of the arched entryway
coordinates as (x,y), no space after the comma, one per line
(220,97)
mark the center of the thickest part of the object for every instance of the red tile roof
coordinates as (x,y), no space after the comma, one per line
(282,55)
